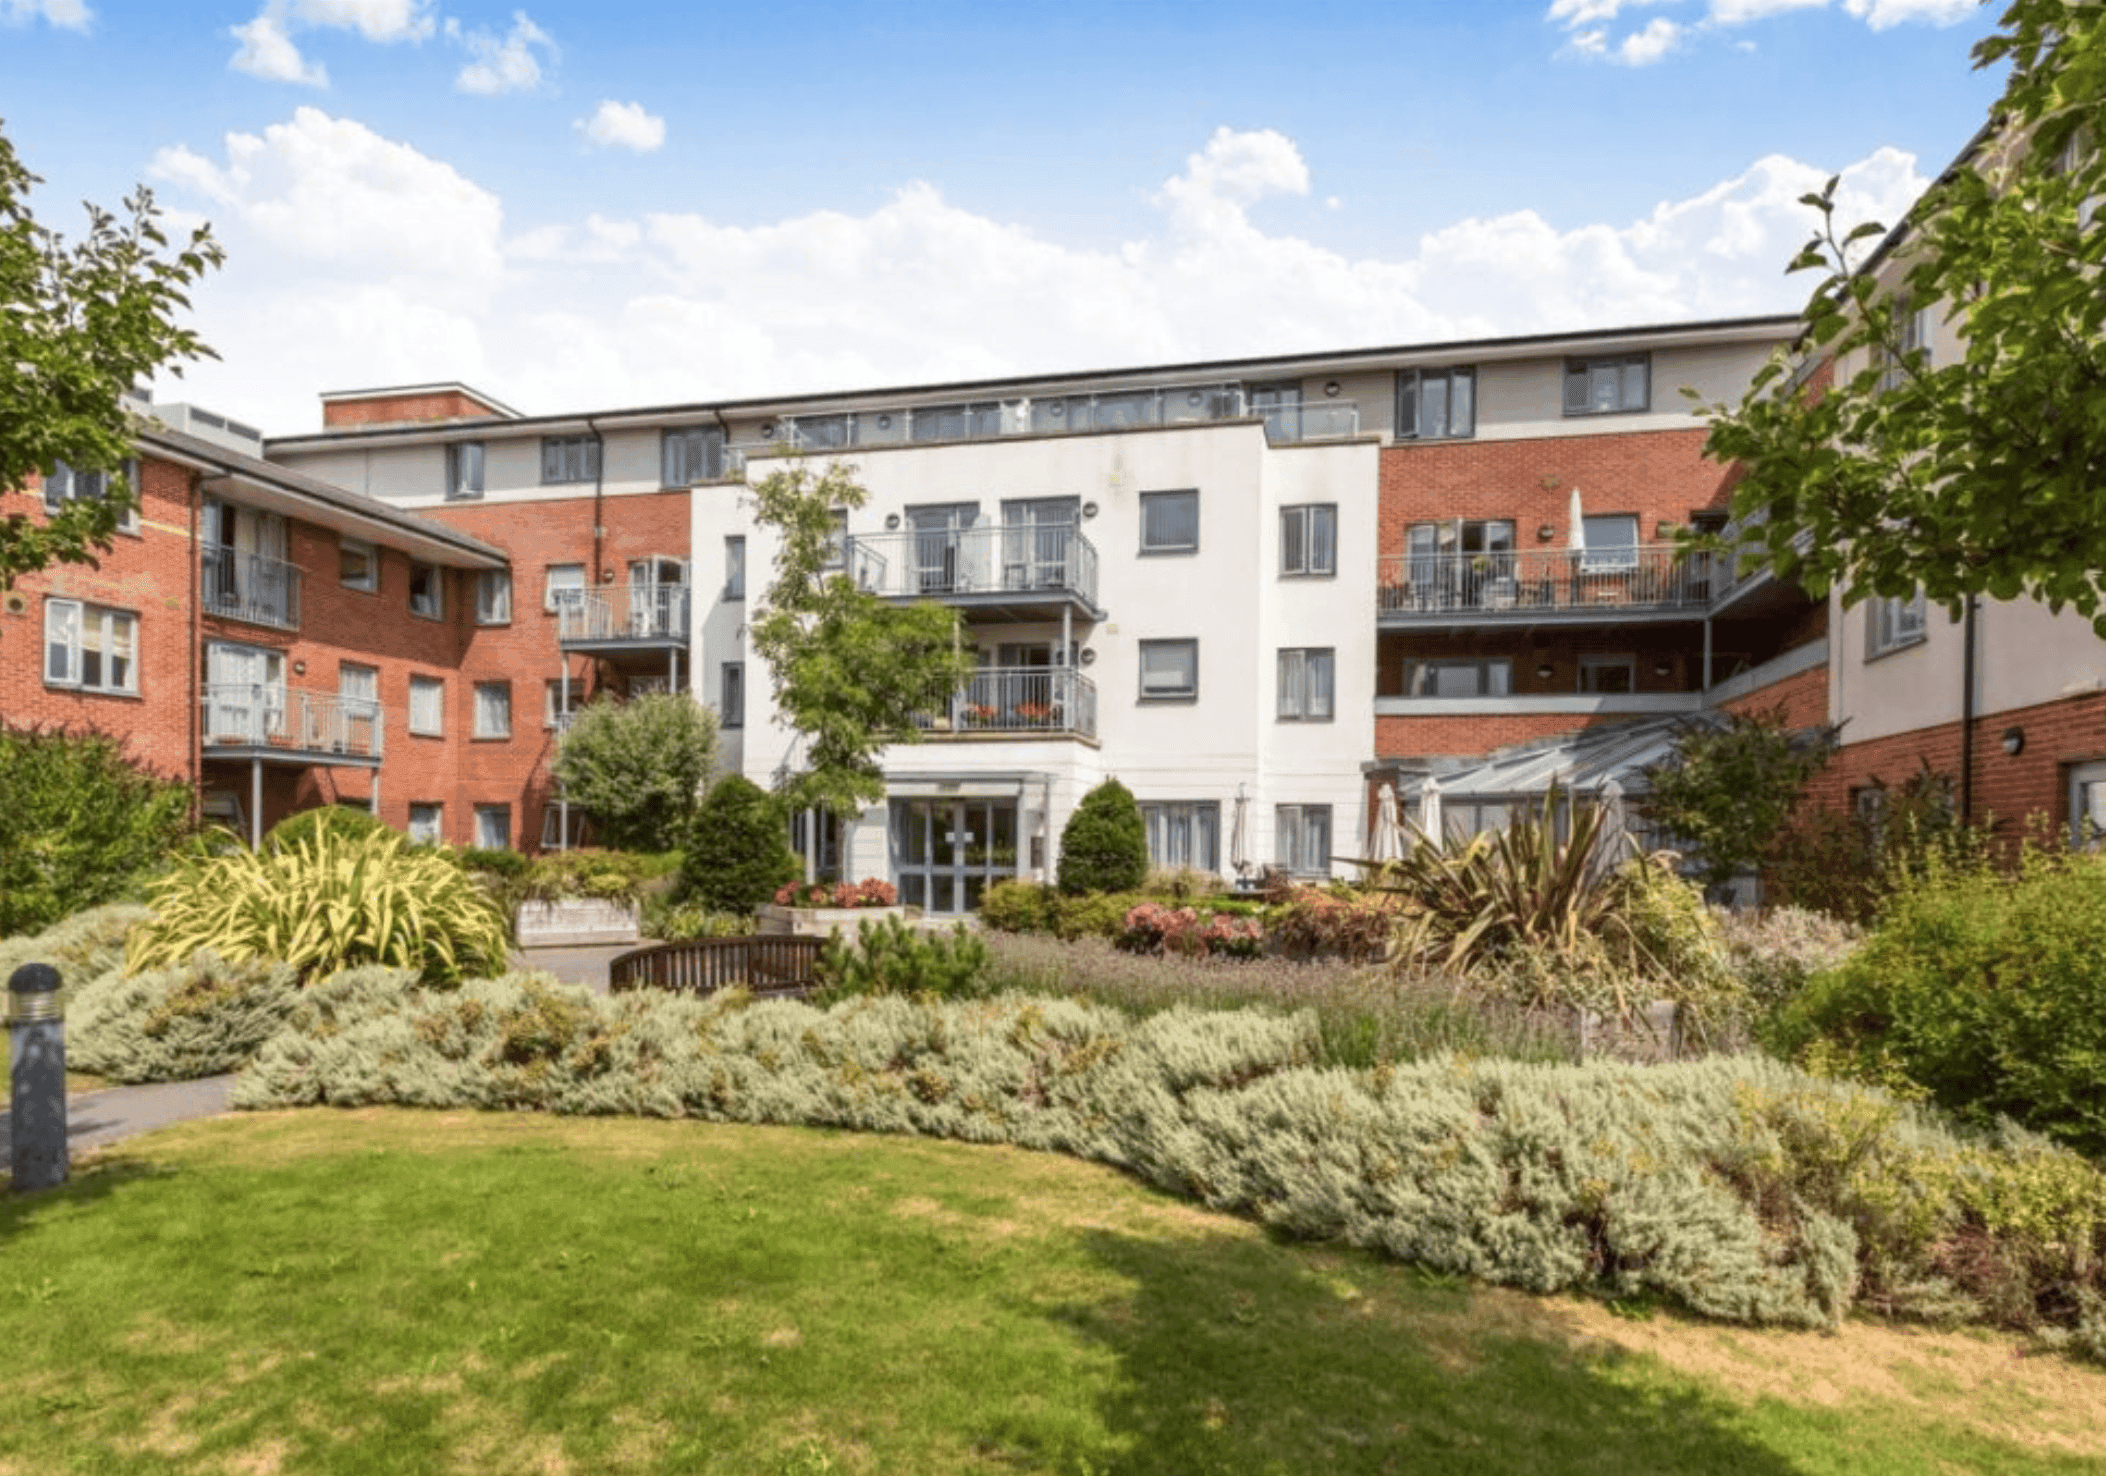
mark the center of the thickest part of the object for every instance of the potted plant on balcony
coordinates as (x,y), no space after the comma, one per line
(1035,714)
(817,909)
(977,714)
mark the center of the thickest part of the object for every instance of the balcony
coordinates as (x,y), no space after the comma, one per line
(1019,702)
(624,617)
(261,721)
(1542,586)
(251,588)
(1013,571)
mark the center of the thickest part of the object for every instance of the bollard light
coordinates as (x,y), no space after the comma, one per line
(36,1032)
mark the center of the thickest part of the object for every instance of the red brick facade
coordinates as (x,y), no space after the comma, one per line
(410,407)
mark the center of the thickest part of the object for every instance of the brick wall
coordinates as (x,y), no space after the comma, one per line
(1804,699)
(447,404)
(1679,648)
(1474,736)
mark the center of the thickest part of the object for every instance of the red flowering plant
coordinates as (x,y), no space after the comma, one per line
(867,893)
(1153,928)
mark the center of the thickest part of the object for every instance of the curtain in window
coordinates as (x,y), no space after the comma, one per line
(1169,668)
(61,641)
(427,706)
(1170,520)
(493,710)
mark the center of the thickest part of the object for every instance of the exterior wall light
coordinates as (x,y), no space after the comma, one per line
(2014,741)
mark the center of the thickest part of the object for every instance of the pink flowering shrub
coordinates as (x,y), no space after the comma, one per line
(869,892)
(1153,928)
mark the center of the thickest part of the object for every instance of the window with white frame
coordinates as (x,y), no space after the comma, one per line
(1467,676)
(427,824)
(493,827)
(493,597)
(1169,671)
(1608,386)
(558,706)
(493,709)
(1608,674)
(427,706)
(1306,678)
(563,587)
(464,471)
(1183,833)
(1893,622)
(1612,543)
(64,484)
(1913,327)
(427,591)
(1436,404)
(554,820)
(1309,539)
(735,567)
(1170,522)
(90,648)
(733,701)
(1302,838)
(357,564)
(691,454)
(570,458)
(359,687)
(837,540)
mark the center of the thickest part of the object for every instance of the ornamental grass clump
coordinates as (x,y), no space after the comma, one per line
(325,904)
(200,1018)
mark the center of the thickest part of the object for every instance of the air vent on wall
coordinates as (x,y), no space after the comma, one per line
(15,603)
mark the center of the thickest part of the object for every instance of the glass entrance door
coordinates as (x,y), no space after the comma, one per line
(945,852)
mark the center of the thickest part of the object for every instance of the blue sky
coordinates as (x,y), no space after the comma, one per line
(582,206)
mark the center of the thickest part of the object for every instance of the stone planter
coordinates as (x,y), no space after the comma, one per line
(575,923)
(820,922)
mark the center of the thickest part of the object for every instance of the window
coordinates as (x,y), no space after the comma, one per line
(63,484)
(90,648)
(493,827)
(1169,671)
(1893,622)
(733,701)
(735,568)
(1183,834)
(563,587)
(1309,539)
(1608,386)
(1305,684)
(1491,676)
(956,422)
(568,459)
(427,824)
(1612,543)
(1436,404)
(1169,522)
(359,687)
(553,819)
(822,432)
(493,709)
(427,591)
(1608,673)
(837,541)
(557,706)
(690,455)
(1302,838)
(357,565)
(493,597)
(464,470)
(427,706)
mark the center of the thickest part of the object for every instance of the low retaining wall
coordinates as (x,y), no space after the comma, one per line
(576,923)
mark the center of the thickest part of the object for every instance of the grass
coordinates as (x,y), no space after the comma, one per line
(402,1292)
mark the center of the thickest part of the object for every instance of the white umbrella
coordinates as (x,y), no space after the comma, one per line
(1576,525)
(1617,843)
(1387,844)
(1430,809)
(1239,835)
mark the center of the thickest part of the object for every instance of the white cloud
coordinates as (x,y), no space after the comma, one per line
(1643,48)
(1740,12)
(1880,14)
(1588,23)
(623,125)
(71,15)
(268,50)
(504,63)
(356,259)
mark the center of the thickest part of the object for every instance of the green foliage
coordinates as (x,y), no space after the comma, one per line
(1774,954)
(85,946)
(342,821)
(1182,883)
(1727,790)
(79,326)
(1987,991)
(1977,473)
(79,822)
(639,768)
(673,921)
(851,671)
(1849,866)
(736,855)
(1014,906)
(890,956)
(325,904)
(1326,922)
(604,876)
(1104,845)
(497,862)
(199,1018)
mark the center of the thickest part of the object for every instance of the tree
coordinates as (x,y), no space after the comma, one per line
(735,858)
(851,672)
(639,768)
(79,326)
(1981,475)
(1104,845)
(1728,790)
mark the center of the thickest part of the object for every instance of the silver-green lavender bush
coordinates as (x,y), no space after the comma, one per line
(197,1019)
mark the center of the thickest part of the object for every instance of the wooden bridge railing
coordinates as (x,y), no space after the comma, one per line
(768,967)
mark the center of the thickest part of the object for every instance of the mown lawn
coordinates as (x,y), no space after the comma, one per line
(400,1292)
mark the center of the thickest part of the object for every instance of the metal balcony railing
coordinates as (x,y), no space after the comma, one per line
(1012,558)
(251,588)
(242,715)
(1533,582)
(1026,701)
(652,614)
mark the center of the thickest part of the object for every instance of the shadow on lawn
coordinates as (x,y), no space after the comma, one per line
(1354,1364)
(94,1179)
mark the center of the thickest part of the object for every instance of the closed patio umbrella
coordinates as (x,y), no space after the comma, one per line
(1429,823)
(1239,835)
(1387,843)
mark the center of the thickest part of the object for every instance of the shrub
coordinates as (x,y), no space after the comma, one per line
(85,946)
(497,862)
(672,921)
(561,876)
(1987,991)
(343,821)
(1318,922)
(735,853)
(639,767)
(870,892)
(1018,907)
(324,905)
(1729,787)
(1181,883)
(1849,866)
(80,824)
(1096,915)
(1151,927)
(891,956)
(200,1018)
(1104,845)
(1773,954)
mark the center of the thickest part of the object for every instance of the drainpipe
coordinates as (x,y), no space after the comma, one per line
(599,498)
(197,654)
(1967,643)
